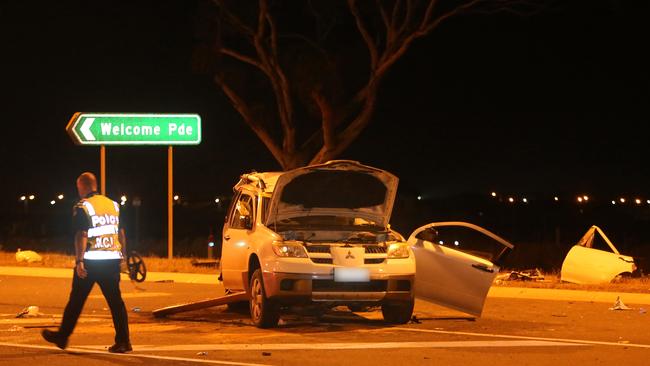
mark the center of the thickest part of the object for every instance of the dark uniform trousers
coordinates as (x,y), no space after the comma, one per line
(106,273)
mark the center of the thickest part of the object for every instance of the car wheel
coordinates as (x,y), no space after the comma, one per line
(398,312)
(265,313)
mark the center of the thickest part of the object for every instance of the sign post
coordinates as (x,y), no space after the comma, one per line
(129,129)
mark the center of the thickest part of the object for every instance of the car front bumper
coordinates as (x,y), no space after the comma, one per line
(293,288)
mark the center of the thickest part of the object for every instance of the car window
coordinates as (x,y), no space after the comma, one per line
(243,212)
(266,201)
(464,239)
(231,207)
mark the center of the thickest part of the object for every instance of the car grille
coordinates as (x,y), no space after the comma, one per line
(365,261)
(369,249)
(330,285)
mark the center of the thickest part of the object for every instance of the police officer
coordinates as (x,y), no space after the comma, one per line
(98,247)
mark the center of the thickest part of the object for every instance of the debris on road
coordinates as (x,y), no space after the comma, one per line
(202,353)
(31,311)
(619,305)
(28,256)
(266,353)
(586,265)
(136,309)
(15,328)
(525,275)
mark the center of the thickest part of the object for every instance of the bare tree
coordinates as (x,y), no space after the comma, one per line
(318,108)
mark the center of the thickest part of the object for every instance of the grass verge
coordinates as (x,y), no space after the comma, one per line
(153,264)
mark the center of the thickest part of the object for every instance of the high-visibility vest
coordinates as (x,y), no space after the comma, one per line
(104,219)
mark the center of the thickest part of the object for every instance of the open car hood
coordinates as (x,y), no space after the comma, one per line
(340,188)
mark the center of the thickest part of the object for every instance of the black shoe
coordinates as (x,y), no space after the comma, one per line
(55,337)
(120,348)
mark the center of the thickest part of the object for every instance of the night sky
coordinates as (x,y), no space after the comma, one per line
(554,103)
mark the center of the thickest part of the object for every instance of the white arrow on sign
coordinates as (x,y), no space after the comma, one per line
(85,129)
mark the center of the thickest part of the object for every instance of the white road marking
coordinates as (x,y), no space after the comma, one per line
(136,355)
(132,295)
(342,346)
(567,340)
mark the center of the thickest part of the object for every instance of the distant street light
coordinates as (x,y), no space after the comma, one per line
(31,196)
(585,197)
(580,199)
(637,201)
(556,198)
(494,194)
(613,202)
(176,197)
(511,200)
(52,202)
(123,198)
(419,198)
(60,196)
(216,200)
(622,200)
(22,198)
(525,200)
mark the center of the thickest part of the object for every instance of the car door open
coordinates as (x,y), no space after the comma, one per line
(452,268)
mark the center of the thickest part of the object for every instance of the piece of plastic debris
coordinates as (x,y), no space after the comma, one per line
(28,256)
(202,353)
(29,312)
(136,309)
(526,275)
(414,319)
(266,353)
(619,305)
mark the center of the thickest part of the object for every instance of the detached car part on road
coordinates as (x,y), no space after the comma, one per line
(319,236)
(587,265)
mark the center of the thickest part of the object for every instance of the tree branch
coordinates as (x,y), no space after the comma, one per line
(243,109)
(243,58)
(345,138)
(235,21)
(372,48)
(327,122)
(283,84)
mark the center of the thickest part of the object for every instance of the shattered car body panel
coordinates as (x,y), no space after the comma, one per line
(586,265)
(338,188)
(455,276)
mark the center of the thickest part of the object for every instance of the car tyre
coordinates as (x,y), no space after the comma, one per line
(398,312)
(265,313)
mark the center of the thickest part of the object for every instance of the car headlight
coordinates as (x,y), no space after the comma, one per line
(289,249)
(398,250)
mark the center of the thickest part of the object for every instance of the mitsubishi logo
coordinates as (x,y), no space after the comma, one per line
(349,256)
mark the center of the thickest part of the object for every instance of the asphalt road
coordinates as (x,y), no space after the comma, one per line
(512,331)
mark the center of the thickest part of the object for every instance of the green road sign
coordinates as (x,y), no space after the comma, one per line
(134,129)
